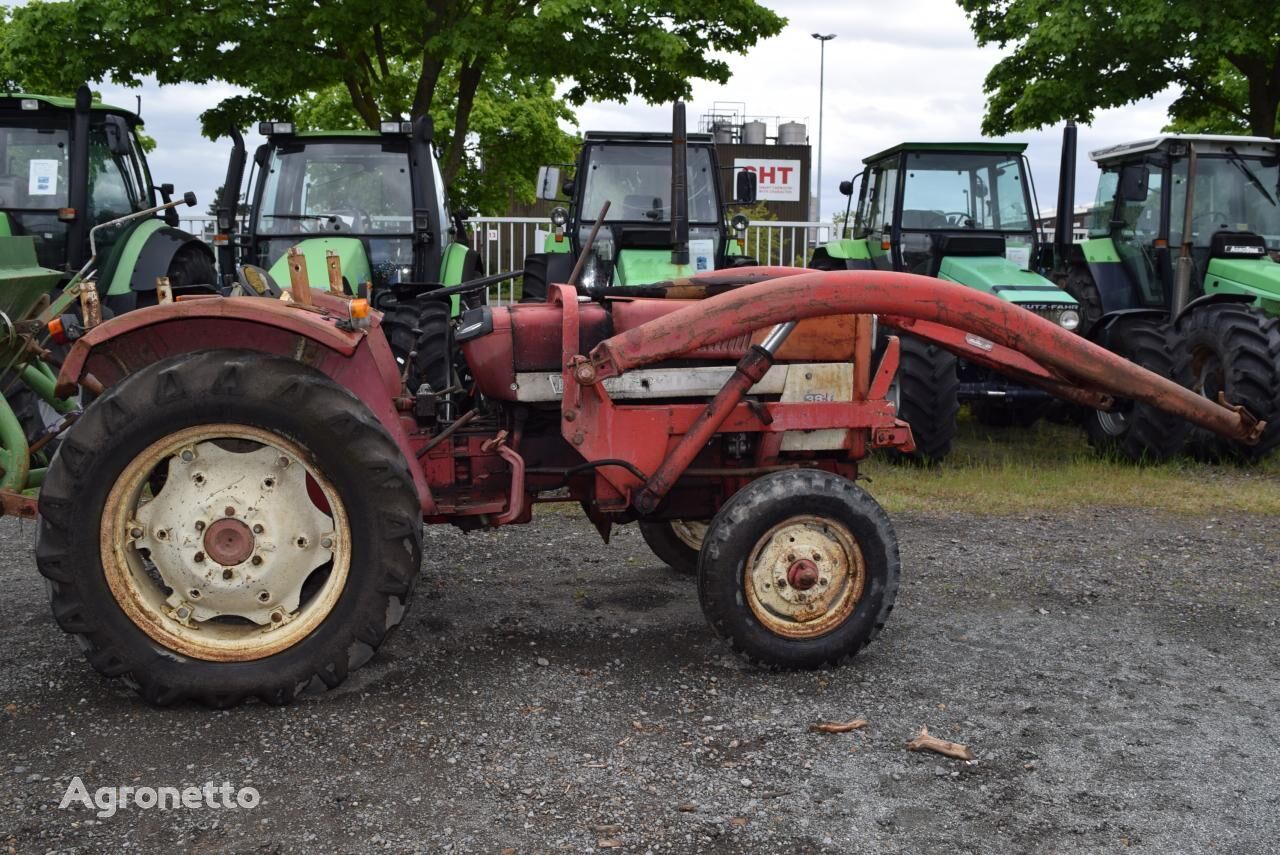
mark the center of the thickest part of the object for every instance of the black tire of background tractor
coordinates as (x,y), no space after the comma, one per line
(927,393)
(667,545)
(1006,415)
(1137,431)
(748,517)
(347,444)
(433,343)
(533,288)
(26,406)
(1080,285)
(1234,348)
(192,271)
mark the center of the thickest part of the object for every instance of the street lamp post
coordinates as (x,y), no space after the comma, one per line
(822,70)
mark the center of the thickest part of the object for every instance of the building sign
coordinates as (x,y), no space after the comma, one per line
(777,180)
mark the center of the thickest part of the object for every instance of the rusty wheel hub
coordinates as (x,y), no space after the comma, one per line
(804,577)
(228,542)
(211,536)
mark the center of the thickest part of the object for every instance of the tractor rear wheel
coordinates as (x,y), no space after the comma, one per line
(222,525)
(676,542)
(192,271)
(1235,352)
(926,393)
(1135,430)
(799,570)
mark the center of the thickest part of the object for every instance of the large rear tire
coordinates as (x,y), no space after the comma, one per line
(420,330)
(222,525)
(1234,350)
(799,570)
(926,392)
(1134,430)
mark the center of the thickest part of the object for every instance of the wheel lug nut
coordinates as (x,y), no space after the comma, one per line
(199,557)
(188,455)
(327,543)
(256,561)
(229,511)
(183,613)
(199,525)
(135,533)
(282,462)
(277,616)
(227,574)
(257,529)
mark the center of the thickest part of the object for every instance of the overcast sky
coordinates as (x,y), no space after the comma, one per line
(904,71)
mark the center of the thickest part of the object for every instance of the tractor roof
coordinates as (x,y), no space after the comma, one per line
(1208,143)
(13,101)
(640,136)
(954,147)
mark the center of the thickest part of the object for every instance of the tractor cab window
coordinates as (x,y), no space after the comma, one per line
(879,216)
(1136,228)
(1098,218)
(636,181)
(33,186)
(957,190)
(337,188)
(114,189)
(1231,194)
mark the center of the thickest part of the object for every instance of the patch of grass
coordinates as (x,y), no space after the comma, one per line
(1052,467)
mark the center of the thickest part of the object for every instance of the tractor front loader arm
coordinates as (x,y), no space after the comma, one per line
(960,319)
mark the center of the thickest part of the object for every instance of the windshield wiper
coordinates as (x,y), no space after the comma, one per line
(1238,162)
(333,218)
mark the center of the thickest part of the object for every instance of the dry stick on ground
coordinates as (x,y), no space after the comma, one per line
(838,726)
(924,742)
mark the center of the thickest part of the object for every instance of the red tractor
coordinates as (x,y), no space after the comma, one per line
(239,512)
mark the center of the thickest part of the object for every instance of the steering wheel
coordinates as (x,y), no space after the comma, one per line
(959,218)
(1226,218)
(360,221)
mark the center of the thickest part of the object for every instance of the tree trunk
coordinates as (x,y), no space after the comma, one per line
(1263,78)
(426,91)
(469,77)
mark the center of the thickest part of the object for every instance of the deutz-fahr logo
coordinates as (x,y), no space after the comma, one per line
(1251,249)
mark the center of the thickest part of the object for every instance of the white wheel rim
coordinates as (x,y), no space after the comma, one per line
(690,532)
(218,564)
(804,577)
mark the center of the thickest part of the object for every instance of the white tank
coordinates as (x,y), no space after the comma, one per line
(723,134)
(753,133)
(792,133)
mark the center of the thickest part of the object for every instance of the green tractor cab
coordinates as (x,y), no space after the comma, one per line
(69,164)
(965,213)
(1179,271)
(375,199)
(662,222)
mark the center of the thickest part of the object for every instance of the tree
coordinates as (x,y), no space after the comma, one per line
(373,59)
(1069,58)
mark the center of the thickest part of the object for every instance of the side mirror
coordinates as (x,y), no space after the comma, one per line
(1133,183)
(745,187)
(846,188)
(569,188)
(980,188)
(260,155)
(117,135)
(166,190)
(549,183)
(425,128)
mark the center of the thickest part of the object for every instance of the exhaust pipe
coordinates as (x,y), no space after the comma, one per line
(1066,197)
(228,207)
(1182,275)
(78,179)
(679,186)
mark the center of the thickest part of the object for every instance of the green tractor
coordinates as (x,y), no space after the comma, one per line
(1178,274)
(662,222)
(373,199)
(966,213)
(70,164)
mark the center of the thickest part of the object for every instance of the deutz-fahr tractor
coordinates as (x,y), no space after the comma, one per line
(964,213)
(72,164)
(1177,274)
(661,223)
(374,200)
(240,511)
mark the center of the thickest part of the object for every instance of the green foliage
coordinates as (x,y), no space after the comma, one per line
(1068,58)
(486,70)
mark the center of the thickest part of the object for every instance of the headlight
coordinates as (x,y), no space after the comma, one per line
(1069,319)
(559,216)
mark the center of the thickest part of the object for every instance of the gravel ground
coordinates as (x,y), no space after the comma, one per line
(1112,670)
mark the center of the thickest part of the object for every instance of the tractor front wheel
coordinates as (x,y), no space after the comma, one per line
(799,570)
(222,525)
(1135,430)
(1234,352)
